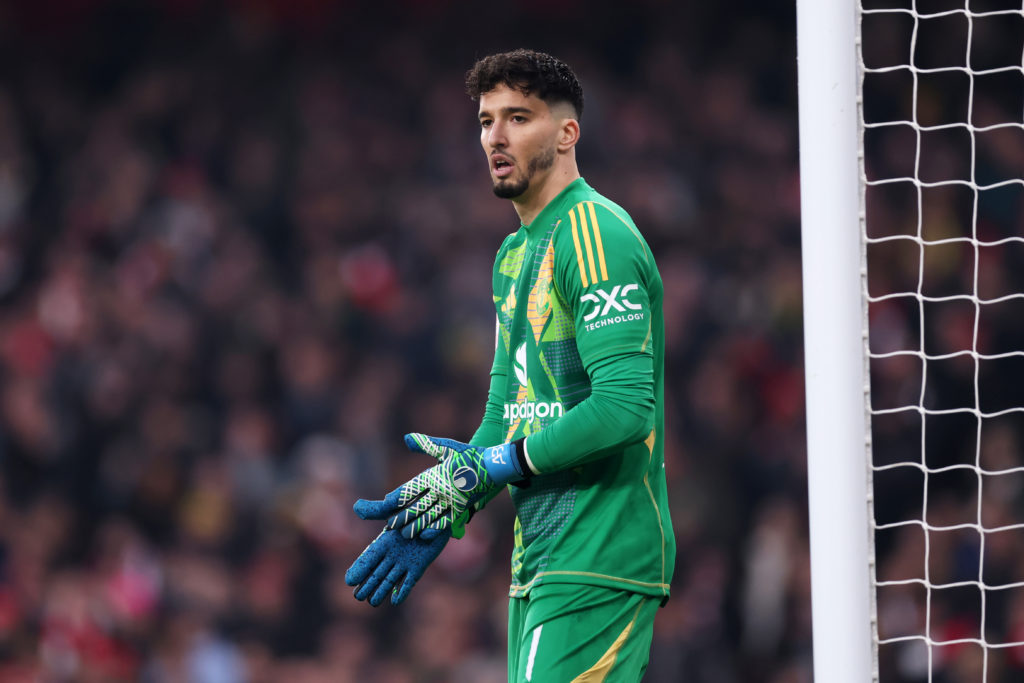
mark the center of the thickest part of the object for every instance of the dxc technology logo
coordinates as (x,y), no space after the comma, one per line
(605,302)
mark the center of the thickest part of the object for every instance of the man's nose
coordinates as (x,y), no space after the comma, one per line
(496,135)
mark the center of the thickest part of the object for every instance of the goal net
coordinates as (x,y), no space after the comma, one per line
(935,393)
(942,120)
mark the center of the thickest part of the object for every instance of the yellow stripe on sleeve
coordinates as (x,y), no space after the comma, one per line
(586,242)
(579,252)
(597,241)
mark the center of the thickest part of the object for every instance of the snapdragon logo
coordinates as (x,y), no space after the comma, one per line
(607,303)
(531,410)
(519,364)
(528,410)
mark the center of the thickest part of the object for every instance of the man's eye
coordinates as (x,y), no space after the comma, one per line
(519,119)
(485,124)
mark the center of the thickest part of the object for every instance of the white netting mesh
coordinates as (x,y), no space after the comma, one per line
(943,182)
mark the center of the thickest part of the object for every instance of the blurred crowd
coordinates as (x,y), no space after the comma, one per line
(244,247)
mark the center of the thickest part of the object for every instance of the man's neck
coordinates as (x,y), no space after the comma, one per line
(530,205)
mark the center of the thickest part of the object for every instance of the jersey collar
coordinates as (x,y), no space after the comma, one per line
(555,209)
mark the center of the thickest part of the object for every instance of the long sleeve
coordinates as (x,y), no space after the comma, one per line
(618,412)
(602,271)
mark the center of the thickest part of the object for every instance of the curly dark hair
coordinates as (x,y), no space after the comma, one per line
(531,73)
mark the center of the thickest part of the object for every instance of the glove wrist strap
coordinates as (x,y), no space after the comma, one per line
(519,449)
(506,463)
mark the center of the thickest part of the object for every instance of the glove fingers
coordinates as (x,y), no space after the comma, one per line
(387,584)
(413,509)
(421,443)
(367,561)
(400,594)
(441,524)
(413,521)
(437,448)
(416,569)
(437,518)
(378,509)
(371,585)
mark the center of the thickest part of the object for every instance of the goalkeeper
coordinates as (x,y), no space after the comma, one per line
(574,421)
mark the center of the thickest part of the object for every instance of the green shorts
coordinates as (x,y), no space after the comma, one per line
(578,633)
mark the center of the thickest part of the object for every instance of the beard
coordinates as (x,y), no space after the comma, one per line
(510,189)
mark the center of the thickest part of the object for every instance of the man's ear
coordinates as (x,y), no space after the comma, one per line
(568,135)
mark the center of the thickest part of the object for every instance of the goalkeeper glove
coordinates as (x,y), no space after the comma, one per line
(442,495)
(391,559)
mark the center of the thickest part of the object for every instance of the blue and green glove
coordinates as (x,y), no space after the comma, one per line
(441,497)
(430,509)
(393,564)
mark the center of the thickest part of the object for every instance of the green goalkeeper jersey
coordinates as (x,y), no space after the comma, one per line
(578,370)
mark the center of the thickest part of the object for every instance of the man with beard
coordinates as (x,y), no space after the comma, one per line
(574,422)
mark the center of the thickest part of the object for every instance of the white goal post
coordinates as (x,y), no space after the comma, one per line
(834,341)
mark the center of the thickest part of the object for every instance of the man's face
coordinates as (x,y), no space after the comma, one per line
(518,133)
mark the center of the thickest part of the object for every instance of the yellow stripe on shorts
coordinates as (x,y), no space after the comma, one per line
(600,670)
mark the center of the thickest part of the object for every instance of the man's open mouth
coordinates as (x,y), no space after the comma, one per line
(502,167)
